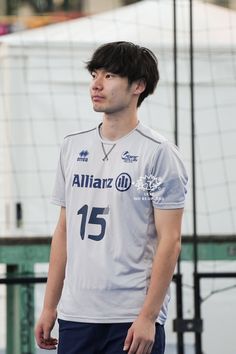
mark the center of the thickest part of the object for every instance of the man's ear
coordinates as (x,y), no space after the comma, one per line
(139,87)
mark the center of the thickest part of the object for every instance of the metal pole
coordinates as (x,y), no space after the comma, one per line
(179,312)
(175,75)
(179,298)
(20,310)
(197,309)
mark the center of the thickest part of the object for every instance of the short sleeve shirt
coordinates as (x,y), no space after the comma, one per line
(110,190)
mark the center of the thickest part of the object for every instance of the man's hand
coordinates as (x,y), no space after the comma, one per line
(43,330)
(140,336)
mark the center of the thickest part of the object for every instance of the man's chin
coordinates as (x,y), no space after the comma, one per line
(96,109)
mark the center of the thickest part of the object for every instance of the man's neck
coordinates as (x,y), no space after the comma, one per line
(114,128)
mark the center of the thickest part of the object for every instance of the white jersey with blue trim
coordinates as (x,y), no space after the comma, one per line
(110,190)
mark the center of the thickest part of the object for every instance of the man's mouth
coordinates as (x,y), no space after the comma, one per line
(97,98)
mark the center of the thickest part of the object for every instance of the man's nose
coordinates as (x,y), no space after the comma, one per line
(97,83)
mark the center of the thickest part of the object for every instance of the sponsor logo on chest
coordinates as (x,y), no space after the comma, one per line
(122,182)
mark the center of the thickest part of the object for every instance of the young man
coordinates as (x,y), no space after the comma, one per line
(121,187)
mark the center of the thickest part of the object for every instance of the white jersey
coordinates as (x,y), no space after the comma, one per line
(109,189)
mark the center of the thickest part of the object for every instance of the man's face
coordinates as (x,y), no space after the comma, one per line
(110,93)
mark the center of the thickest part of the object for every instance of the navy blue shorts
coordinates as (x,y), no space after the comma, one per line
(96,338)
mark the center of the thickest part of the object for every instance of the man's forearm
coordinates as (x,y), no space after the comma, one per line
(162,272)
(142,331)
(56,273)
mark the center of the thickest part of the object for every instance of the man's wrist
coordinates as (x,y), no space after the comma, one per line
(49,309)
(148,315)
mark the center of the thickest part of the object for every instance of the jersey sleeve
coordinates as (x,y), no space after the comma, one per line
(58,195)
(169,176)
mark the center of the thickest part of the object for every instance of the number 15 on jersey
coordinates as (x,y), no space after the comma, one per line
(95,217)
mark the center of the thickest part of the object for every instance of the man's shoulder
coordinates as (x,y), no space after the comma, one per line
(81,133)
(148,133)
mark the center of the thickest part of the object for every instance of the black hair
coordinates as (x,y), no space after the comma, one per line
(129,60)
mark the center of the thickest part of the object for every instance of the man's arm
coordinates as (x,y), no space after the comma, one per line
(54,286)
(141,334)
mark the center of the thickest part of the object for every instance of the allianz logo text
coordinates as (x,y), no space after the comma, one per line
(122,182)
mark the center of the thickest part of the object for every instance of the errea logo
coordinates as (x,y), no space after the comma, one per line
(83,156)
(127,157)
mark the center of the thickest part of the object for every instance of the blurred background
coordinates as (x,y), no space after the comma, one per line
(26,14)
(44,45)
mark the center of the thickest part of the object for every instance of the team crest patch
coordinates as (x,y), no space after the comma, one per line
(83,156)
(127,157)
(148,183)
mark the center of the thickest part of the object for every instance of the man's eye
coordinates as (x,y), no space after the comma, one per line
(108,76)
